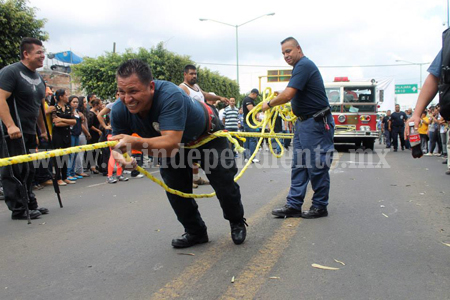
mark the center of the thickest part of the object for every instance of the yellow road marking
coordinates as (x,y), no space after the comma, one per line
(193,273)
(249,282)
(255,273)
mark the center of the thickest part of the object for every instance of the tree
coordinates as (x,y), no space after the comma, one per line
(17,21)
(97,75)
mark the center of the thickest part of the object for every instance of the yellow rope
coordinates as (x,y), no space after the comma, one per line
(269,119)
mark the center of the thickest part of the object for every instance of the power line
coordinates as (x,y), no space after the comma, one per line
(349,66)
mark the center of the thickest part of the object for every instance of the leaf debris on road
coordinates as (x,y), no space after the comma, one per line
(190,254)
(386,215)
(339,262)
(317,266)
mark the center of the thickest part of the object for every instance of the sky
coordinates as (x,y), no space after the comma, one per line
(358,39)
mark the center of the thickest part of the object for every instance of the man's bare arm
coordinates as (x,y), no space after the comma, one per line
(100,118)
(5,115)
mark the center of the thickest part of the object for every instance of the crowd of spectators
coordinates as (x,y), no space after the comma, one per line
(433,129)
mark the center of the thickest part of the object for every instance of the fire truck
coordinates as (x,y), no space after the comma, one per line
(354,108)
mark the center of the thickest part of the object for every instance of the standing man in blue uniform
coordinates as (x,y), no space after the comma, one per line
(398,120)
(313,136)
(164,117)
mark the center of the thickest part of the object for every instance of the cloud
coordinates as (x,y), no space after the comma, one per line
(332,33)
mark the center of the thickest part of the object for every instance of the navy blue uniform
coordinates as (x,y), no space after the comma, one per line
(398,128)
(313,140)
(172,109)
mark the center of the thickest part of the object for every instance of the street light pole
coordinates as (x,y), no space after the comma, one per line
(237,37)
(417,64)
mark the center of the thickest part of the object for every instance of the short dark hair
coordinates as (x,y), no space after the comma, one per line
(189,67)
(89,97)
(138,67)
(290,39)
(27,45)
(59,93)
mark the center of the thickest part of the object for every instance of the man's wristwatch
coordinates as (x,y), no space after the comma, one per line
(268,104)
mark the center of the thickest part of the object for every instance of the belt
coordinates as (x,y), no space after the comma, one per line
(323,112)
(305,117)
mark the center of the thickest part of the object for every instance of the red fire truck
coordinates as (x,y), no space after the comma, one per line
(354,107)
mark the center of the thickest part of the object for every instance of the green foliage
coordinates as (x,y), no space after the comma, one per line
(211,81)
(17,21)
(98,75)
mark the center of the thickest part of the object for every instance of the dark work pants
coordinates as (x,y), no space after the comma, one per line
(61,140)
(18,179)
(311,162)
(396,133)
(177,174)
(388,138)
(43,171)
(434,140)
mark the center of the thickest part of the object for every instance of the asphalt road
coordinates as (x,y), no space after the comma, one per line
(388,223)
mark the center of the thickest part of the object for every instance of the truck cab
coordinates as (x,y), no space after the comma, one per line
(354,108)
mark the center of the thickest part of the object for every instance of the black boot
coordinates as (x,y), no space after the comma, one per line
(188,240)
(238,231)
(286,212)
(34,214)
(314,213)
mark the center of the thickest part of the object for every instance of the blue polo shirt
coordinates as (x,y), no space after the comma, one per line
(435,67)
(310,96)
(171,109)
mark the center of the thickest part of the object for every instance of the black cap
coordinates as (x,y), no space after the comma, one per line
(255,91)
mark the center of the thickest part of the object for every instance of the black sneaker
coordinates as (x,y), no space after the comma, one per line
(238,231)
(314,213)
(286,212)
(34,214)
(188,240)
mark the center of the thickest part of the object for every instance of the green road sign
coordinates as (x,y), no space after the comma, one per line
(406,88)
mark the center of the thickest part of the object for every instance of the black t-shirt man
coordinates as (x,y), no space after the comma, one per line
(28,90)
(247,101)
(398,119)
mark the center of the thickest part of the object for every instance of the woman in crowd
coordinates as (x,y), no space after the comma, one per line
(75,132)
(423,131)
(84,137)
(95,132)
(62,120)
